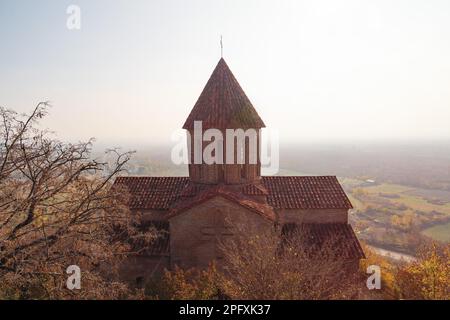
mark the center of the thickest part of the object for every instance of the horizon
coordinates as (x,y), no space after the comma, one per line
(333,72)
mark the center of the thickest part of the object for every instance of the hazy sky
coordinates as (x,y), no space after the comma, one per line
(315,70)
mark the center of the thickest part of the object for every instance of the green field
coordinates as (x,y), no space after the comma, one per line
(440,232)
(384,200)
(394,197)
(407,198)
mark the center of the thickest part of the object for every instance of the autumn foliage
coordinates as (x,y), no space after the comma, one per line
(57,209)
(428,278)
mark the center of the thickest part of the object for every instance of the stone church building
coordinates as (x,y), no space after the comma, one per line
(194,212)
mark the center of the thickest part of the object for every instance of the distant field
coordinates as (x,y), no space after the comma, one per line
(441,232)
(388,199)
(408,196)
(432,194)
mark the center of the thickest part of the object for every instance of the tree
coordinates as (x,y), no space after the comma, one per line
(57,209)
(191,284)
(428,277)
(387,268)
(258,265)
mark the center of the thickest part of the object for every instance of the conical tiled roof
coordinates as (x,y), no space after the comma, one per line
(223,104)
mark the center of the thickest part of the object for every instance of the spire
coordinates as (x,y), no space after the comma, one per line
(223,104)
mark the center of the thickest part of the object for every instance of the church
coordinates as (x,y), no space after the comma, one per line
(194,213)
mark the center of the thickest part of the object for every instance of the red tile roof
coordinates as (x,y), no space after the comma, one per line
(225,192)
(223,104)
(255,190)
(306,192)
(153,192)
(315,192)
(340,236)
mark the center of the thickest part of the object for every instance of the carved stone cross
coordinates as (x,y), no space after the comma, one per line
(216,232)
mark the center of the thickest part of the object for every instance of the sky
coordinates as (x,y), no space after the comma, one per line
(315,70)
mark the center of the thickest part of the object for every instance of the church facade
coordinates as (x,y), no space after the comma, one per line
(195,213)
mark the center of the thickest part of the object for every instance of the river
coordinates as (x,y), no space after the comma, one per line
(393,254)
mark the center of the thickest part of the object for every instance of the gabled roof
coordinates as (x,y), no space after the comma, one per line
(340,236)
(223,104)
(299,192)
(258,207)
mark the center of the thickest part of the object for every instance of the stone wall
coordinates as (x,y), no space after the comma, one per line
(196,234)
(139,270)
(152,215)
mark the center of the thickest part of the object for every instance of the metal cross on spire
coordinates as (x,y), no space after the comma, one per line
(221,47)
